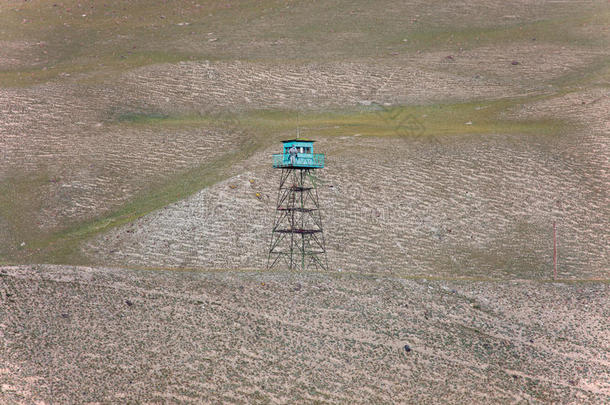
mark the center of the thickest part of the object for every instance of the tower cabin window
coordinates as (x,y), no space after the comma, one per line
(300,149)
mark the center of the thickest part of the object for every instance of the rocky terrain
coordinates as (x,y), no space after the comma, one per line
(77,334)
(136,201)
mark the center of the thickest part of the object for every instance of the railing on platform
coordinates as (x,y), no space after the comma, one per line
(313,160)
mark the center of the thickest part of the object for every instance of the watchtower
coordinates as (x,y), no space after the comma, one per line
(297,238)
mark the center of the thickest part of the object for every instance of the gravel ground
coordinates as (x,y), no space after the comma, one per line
(77,334)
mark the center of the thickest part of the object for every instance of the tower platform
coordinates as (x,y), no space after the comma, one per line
(298,154)
(301,161)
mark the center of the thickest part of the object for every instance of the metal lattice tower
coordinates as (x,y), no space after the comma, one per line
(297,238)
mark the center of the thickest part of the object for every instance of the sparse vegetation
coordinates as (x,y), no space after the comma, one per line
(243,336)
(137,135)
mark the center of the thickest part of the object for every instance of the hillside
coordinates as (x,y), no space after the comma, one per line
(112,111)
(77,334)
(135,142)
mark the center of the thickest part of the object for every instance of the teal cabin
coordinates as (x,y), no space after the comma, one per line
(298,153)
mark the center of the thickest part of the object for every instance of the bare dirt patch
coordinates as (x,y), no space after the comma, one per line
(214,86)
(122,335)
(521,64)
(13,54)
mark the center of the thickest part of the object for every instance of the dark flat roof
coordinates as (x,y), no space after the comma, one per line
(298,140)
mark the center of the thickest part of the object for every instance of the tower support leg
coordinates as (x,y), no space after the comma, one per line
(297,237)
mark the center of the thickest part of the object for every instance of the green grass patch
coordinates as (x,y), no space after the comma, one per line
(556,30)
(19,199)
(140,117)
(594,74)
(484,117)
(93,67)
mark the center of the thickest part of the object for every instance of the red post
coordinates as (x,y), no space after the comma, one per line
(554,250)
